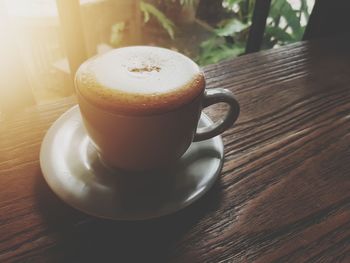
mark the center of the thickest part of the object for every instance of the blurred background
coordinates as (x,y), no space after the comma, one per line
(34,53)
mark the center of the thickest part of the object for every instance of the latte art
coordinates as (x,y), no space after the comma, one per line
(140,80)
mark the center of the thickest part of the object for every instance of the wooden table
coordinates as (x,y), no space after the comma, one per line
(283,195)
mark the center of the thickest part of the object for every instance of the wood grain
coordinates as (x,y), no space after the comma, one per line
(283,195)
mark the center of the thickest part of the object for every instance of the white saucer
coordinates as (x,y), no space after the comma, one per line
(73,170)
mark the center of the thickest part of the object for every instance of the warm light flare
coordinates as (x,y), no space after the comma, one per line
(13,83)
(34,47)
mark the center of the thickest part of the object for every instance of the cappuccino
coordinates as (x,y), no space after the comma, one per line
(140,80)
(141,105)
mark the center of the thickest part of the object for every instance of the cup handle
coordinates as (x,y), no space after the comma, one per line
(213,96)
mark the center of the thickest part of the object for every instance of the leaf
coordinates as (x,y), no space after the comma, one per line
(117,33)
(279,34)
(212,43)
(148,9)
(276,8)
(230,3)
(223,52)
(216,49)
(146,16)
(304,9)
(292,18)
(282,8)
(188,3)
(231,27)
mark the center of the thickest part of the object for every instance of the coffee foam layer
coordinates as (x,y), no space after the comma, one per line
(140,79)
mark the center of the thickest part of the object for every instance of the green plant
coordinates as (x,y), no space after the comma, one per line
(149,10)
(228,39)
(284,25)
(225,42)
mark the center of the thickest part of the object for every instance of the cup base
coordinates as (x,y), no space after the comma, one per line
(149,170)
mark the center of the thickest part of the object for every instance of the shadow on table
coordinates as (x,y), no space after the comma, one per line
(81,238)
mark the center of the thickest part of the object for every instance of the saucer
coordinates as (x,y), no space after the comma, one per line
(74,171)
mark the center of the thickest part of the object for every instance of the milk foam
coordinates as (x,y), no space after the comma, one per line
(131,76)
(143,70)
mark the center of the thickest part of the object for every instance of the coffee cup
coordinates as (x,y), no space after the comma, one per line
(141,105)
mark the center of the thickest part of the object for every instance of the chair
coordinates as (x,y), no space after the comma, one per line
(257,30)
(328,19)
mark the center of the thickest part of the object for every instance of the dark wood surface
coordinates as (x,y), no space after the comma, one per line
(283,195)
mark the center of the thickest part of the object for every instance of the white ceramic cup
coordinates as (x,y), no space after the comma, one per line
(141,105)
